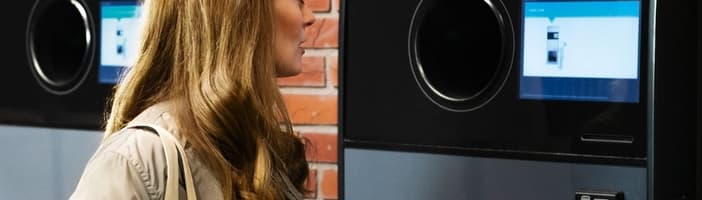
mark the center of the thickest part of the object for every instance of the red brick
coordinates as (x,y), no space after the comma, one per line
(312,74)
(337,5)
(322,147)
(324,33)
(319,5)
(312,109)
(329,185)
(334,71)
(311,184)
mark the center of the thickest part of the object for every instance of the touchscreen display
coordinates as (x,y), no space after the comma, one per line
(118,39)
(576,50)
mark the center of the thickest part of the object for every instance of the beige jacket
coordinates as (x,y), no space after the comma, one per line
(132,164)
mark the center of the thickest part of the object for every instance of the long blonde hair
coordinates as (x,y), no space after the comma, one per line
(215,58)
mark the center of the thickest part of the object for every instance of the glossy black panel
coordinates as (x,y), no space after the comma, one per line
(384,107)
(60,41)
(674,119)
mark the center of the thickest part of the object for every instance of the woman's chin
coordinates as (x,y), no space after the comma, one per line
(288,72)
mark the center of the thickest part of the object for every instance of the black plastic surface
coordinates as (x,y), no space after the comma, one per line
(24,101)
(385,108)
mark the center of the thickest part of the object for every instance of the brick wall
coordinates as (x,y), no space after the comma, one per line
(311,98)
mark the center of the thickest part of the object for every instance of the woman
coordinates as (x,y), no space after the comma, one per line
(206,72)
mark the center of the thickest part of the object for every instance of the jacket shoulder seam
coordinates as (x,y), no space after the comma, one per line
(138,166)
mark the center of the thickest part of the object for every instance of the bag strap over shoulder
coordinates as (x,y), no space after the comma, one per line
(172,148)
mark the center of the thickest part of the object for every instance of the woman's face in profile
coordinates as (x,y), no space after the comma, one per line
(291,19)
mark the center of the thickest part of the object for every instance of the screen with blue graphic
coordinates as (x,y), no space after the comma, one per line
(576,50)
(119,39)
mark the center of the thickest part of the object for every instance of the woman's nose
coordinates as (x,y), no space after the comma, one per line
(307,16)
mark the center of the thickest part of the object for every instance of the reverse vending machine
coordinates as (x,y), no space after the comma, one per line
(63,58)
(530,99)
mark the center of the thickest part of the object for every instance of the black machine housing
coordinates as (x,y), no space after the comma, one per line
(51,63)
(443,77)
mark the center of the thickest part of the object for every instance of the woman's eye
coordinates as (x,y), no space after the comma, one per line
(301,2)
